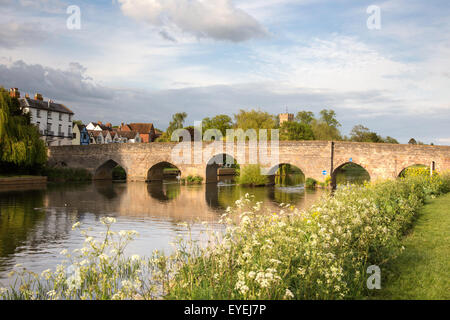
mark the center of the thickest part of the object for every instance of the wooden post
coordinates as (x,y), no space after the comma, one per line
(432,168)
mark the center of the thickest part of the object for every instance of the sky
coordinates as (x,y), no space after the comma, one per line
(144,60)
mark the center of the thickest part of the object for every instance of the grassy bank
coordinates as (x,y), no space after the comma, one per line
(421,271)
(320,253)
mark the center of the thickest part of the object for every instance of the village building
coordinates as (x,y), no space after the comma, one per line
(80,135)
(54,120)
(146,131)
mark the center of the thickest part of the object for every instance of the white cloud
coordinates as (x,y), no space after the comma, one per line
(13,35)
(216,19)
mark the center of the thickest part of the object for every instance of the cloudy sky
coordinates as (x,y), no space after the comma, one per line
(143,60)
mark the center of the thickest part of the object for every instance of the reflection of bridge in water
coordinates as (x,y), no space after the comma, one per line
(316,159)
(34,220)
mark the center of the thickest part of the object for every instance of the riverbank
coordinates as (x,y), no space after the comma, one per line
(421,271)
(21,180)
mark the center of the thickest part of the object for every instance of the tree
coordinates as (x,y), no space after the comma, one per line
(21,149)
(292,130)
(221,122)
(306,117)
(176,123)
(254,120)
(412,141)
(360,133)
(390,140)
(329,117)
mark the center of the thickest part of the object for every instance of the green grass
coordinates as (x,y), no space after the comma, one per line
(422,270)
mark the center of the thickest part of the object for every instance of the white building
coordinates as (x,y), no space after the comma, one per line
(54,120)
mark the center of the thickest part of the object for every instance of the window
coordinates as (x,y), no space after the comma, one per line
(49,115)
(70,117)
(69,130)
(60,116)
(60,130)
(38,113)
(49,128)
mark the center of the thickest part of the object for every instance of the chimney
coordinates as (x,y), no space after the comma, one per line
(14,93)
(38,96)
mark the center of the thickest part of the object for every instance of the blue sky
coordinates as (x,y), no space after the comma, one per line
(143,60)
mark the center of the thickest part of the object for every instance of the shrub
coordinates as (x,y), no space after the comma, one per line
(250,175)
(67,174)
(192,180)
(310,183)
(119,173)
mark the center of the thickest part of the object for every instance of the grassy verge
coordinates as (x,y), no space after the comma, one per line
(421,271)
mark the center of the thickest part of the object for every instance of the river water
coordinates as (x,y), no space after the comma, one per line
(36,222)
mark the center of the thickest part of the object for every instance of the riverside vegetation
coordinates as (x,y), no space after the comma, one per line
(320,253)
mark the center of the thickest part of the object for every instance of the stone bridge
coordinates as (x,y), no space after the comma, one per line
(316,159)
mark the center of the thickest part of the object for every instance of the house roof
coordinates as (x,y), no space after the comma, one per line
(44,105)
(80,126)
(127,134)
(141,127)
(95,133)
(102,126)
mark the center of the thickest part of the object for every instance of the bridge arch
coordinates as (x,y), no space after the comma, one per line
(279,174)
(416,165)
(221,160)
(105,170)
(351,173)
(162,170)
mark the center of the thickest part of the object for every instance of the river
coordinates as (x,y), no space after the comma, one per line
(36,221)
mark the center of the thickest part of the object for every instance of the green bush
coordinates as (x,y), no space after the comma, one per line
(310,183)
(250,175)
(191,180)
(119,173)
(67,174)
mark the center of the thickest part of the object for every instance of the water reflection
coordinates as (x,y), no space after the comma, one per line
(35,225)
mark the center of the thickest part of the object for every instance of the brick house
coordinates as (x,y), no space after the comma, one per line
(146,131)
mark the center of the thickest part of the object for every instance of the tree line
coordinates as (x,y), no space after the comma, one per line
(305,126)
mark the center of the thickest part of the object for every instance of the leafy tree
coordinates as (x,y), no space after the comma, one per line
(326,127)
(176,123)
(254,120)
(412,141)
(21,149)
(221,122)
(360,133)
(390,140)
(329,117)
(306,117)
(292,130)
